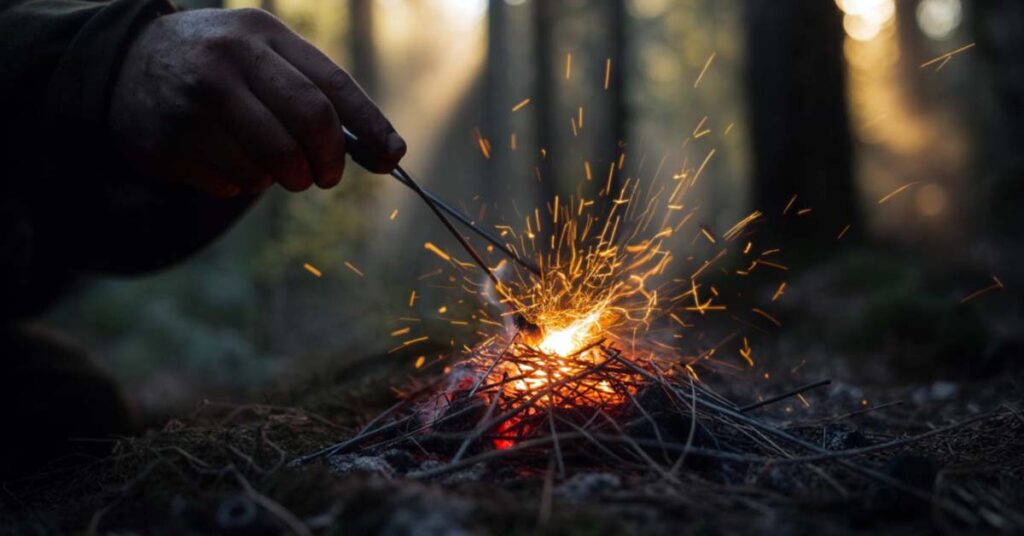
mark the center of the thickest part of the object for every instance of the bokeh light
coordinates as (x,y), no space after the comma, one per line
(864,19)
(939,19)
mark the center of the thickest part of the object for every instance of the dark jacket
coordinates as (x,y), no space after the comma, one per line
(69,204)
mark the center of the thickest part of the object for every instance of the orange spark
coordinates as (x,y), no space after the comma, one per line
(437,251)
(897,191)
(353,268)
(704,70)
(789,205)
(944,58)
(997,285)
(768,316)
(779,291)
(522,104)
(747,353)
(312,269)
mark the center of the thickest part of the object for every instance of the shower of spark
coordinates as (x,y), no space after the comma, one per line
(613,298)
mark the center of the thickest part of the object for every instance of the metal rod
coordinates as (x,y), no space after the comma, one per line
(401,175)
(451,228)
(437,205)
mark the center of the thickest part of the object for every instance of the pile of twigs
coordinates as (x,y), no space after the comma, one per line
(659,425)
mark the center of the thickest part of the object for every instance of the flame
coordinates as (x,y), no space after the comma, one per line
(567,340)
(609,305)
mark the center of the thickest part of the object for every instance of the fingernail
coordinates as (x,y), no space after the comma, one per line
(395,144)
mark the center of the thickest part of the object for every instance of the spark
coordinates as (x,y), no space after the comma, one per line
(843,232)
(417,340)
(789,205)
(768,316)
(408,343)
(437,251)
(779,291)
(701,168)
(312,269)
(747,353)
(698,132)
(607,73)
(401,331)
(996,285)
(568,65)
(420,361)
(412,298)
(804,400)
(353,268)
(944,58)
(485,145)
(770,264)
(522,104)
(394,214)
(896,192)
(704,70)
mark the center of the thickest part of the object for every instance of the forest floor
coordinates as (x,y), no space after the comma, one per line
(224,468)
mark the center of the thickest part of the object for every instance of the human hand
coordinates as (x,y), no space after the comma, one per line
(231,101)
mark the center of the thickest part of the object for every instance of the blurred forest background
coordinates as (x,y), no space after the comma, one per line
(833,100)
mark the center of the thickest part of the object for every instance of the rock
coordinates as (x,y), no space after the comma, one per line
(584,486)
(348,463)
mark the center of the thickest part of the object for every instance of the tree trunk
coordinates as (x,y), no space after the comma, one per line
(617,84)
(801,137)
(545,106)
(497,126)
(362,46)
(999,34)
(612,139)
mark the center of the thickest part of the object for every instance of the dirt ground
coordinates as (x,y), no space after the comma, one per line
(224,468)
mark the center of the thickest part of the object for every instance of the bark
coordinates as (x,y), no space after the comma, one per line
(545,108)
(497,126)
(801,137)
(999,33)
(363,51)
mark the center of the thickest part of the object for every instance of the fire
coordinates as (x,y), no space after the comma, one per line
(610,307)
(564,341)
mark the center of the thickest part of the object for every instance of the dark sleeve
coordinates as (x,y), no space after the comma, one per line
(69,204)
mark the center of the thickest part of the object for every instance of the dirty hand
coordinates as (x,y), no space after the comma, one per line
(231,101)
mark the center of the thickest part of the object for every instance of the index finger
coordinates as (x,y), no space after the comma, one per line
(356,110)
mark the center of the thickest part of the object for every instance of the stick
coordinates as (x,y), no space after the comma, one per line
(785,395)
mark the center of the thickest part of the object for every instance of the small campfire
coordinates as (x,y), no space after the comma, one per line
(594,360)
(585,361)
